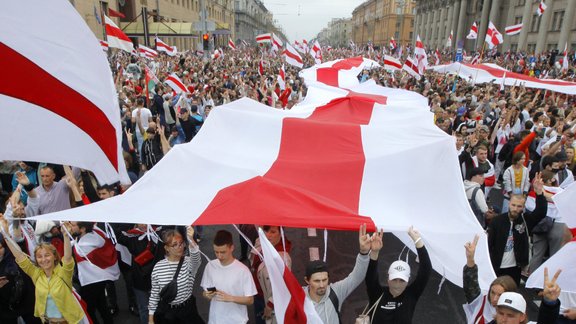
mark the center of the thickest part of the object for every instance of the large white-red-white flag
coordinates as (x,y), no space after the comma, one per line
(493,36)
(264,38)
(473,34)
(290,303)
(174,82)
(163,47)
(147,52)
(391,63)
(541,8)
(338,73)
(513,30)
(116,37)
(292,57)
(84,130)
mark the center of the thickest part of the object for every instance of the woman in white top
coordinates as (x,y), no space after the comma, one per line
(516,179)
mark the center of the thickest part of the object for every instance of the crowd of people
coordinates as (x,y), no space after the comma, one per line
(515,143)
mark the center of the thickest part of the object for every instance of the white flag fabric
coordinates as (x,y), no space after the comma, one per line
(564,202)
(391,63)
(104,45)
(163,47)
(291,305)
(174,82)
(116,37)
(316,52)
(563,259)
(275,165)
(449,41)
(565,58)
(281,78)
(338,73)
(420,56)
(513,30)
(482,73)
(231,44)
(277,43)
(292,57)
(84,130)
(473,34)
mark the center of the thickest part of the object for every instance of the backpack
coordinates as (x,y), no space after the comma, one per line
(475,209)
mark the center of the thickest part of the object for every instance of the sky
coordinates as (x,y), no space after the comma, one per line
(305,19)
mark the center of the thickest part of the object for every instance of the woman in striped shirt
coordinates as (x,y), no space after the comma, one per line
(183,308)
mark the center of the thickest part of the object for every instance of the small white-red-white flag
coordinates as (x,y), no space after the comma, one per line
(277,43)
(411,67)
(449,41)
(116,37)
(475,59)
(393,44)
(104,45)
(304,46)
(281,78)
(438,57)
(565,58)
(245,43)
(147,52)
(290,303)
(231,44)
(473,34)
(493,36)
(391,63)
(316,52)
(513,30)
(292,57)
(420,55)
(264,38)
(174,82)
(261,67)
(163,47)
(541,8)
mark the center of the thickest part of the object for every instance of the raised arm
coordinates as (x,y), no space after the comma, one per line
(425,268)
(12,246)
(470,277)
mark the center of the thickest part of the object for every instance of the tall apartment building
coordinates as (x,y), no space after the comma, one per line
(377,21)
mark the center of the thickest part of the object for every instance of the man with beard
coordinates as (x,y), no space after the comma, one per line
(328,298)
(508,234)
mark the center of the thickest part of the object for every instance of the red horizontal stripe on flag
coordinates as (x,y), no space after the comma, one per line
(293,56)
(57,97)
(116,32)
(500,74)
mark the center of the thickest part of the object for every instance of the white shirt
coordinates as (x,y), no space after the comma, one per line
(145,116)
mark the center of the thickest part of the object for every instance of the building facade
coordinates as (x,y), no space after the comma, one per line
(553,30)
(338,33)
(253,18)
(377,21)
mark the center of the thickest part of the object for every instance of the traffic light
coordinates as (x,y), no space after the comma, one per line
(206,42)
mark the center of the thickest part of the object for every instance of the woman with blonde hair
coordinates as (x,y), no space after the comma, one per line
(52,278)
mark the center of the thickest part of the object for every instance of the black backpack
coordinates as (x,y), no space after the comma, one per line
(475,209)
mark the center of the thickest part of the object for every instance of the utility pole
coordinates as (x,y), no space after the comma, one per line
(203,22)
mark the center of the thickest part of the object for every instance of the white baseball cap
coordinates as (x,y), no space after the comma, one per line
(399,270)
(514,301)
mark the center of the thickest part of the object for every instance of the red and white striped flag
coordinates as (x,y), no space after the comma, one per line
(420,56)
(104,45)
(391,63)
(392,43)
(282,78)
(277,43)
(473,34)
(261,67)
(147,52)
(116,37)
(292,57)
(541,8)
(264,38)
(438,57)
(290,303)
(87,121)
(493,36)
(304,46)
(174,82)
(411,67)
(245,43)
(449,41)
(513,30)
(475,59)
(316,52)
(96,258)
(163,47)
(231,44)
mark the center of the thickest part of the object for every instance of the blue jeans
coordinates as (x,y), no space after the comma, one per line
(142,298)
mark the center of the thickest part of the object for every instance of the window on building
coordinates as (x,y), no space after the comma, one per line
(551,47)
(535,23)
(397,24)
(411,35)
(513,47)
(398,10)
(531,48)
(517,20)
(557,19)
(396,33)
(521,2)
(411,22)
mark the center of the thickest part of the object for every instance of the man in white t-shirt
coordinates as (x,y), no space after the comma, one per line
(227,283)
(145,117)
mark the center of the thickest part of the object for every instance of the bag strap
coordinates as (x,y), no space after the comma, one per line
(474,192)
(335,302)
(372,308)
(178,269)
